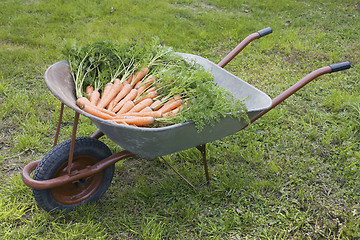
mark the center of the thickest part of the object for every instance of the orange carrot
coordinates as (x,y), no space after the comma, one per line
(89,90)
(138,121)
(81,101)
(139,75)
(150,95)
(105,91)
(143,104)
(155,114)
(156,105)
(127,107)
(84,101)
(177,97)
(93,110)
(110,94)
(145,84)
(152,89)
(129,79)
(121,122)
(126,89)
(171,100)
(172,105)
(130,96)
(172,112)
(147,109)
(141,83)
(94,97)
(111,105)
(113,102)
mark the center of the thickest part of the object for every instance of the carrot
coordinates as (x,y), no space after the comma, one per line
(124,123)
(156,105)
(177,97)
(105,91)
(152,89)
(169,101)
(172,112)
(147,109)
(150,95)
(129,79)
(126,89)
(113,102)
(155,114)
(161,103)
(145,84)
(130,96)
(172,105)
(93,110)
(94,97)
(139,75)
(84,101)
(127,107)
(143,104)
(89,90)
(110,93)
(138,121)
(111,105)
(141,83)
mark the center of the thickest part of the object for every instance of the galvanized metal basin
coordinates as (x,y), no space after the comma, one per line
(154,142)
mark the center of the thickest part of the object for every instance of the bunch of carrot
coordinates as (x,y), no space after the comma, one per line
(142,83)
(131,101)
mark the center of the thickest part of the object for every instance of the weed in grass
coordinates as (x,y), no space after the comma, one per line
(152,229)
(28,142)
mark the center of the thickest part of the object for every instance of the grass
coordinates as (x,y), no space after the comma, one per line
(293,174)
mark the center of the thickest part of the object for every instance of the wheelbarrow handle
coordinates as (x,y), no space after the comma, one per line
(243,44)
(340,66)
(308,78)
(264,32)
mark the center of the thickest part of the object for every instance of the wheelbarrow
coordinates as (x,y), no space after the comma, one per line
(80,170)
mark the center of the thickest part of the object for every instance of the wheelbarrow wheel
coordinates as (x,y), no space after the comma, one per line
(87,152)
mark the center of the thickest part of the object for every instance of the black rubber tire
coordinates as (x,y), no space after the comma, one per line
(85,148)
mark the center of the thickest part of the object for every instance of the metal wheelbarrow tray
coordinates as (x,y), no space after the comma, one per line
(74,184)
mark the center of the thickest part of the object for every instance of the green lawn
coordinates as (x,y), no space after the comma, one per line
(293,174)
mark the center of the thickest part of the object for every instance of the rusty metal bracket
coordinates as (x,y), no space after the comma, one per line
(97,134)
(181,176)
(83,173)
(58,125)
(202,149)
(73,137)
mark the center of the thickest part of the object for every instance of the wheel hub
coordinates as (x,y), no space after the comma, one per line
(81,189)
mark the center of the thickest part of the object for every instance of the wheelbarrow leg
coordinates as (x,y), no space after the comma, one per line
(73,136)
(181,176)
(202,149)
(58,125)
(72,146)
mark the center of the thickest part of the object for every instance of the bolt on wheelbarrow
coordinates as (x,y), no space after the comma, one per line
(80,170)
